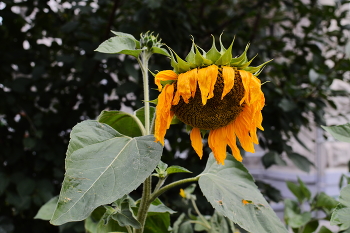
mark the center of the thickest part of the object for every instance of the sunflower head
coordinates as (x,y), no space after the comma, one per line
(212,91)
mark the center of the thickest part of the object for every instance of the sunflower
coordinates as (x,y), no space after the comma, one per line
(212,91)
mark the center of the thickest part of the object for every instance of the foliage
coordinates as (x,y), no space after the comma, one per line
(49,86)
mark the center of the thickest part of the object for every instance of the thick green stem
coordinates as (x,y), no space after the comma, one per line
(145,56)
(147,185)
(171,185)
(144,205)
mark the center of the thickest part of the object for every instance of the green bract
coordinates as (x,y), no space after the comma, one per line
(197,57)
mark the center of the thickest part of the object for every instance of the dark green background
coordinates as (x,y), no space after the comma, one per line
(46,89)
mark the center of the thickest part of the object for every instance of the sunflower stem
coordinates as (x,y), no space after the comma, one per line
(159,192)
(143,62)
(147,185)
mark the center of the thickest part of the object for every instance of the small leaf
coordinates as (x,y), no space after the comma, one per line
(339,132)
(225,186)
(304,190)
(271,158)
(119,44)
(124,123)
(324,229)
(292,214)
(177,169)
(322,200)
(46,211)
(342,212)
(157,222)
(102,166)
(295,189)
(300,161)
(124,215)
(158,207)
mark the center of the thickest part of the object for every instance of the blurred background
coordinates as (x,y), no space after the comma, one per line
(51,79)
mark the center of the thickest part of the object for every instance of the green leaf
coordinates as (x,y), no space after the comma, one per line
(123,214)
(295,189)
(341,214)
(292,214)
(311,226)
(324,229)
(300,161)
(220,224)
(271,158)
(46,211)
(177,169)
(304,190)
(322,200)
(158,207)
(121,45)
(124,123)
(227,187)
(102,166)
(123,34)
(157,222)
(339,132)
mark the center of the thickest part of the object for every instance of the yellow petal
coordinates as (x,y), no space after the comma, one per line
(196,141)
(217,141)
(246,77)
(206,81)
(193,77)
(242,124)
(212,74)
(164,75)
(232,142)
(228,74)
(163,113)
(183,86)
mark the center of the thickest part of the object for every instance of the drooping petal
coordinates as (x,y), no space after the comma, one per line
(196,141)
(217,141)
(228,74)
(246,77)
(212,74)
(206,80)
(163,113)
(183,86)
(242,124)
(164,75)
(232,142)
(193,77)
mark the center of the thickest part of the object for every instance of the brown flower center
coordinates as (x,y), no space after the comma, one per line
(216,113)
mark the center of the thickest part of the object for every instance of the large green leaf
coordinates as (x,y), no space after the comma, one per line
(102,166)
(340,132)
(123,122)
(341,214)
(232,192)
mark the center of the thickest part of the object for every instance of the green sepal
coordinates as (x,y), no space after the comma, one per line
(245,65)
(175,120)
(222,47)
(257,69)
(183,66)
(241,59)
(190,58)
(213,54)
(173,62)
(226,57)
(161,51)
(166,82)
(155,101)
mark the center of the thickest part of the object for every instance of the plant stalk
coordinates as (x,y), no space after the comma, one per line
(144,205)
(169,186)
